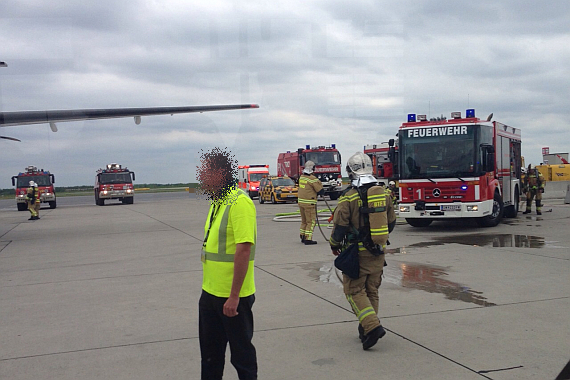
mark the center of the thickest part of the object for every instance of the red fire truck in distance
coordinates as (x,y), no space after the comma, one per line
(384,158)
(114,182)
(45,181)
(458,168)
(327,166)
(249,177)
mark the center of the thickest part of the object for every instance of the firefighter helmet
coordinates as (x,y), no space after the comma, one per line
(358,164)
(32,183)
(309,166)
(391,183)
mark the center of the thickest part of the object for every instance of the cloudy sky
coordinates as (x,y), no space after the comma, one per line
(328,71)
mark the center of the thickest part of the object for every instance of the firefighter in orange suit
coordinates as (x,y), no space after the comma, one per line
(309,188)
(534,187)
(31,198)
(364,217)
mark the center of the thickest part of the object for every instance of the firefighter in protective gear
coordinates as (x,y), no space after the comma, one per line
(364,215)
(393,190)
(534,187)
(38,200)
(309,188)
(31,198)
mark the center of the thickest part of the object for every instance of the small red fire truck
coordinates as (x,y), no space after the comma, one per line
(384,159)
(249,177)
(45,181)
(114,182)
(327,166)
(463,167)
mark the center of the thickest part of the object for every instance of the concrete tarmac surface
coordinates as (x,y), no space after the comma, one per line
(90,292)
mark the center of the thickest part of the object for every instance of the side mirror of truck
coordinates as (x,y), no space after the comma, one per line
(13,181)
(133,175)
(52,178)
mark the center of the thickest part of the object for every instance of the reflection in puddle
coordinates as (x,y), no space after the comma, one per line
(481,240)
(431,279)
(413,276)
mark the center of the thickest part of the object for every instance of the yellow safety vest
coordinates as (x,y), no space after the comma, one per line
(230,221)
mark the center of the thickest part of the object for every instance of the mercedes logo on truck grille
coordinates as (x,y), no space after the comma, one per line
(436,192)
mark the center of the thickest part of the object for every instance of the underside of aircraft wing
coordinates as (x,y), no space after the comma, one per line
(54,116)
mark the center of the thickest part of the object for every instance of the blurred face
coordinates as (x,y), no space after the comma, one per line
(216,173)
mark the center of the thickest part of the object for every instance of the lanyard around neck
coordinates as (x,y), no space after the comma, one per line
(215,209)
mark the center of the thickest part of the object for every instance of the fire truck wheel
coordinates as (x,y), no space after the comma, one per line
(52,204)
(129,200)
(333,196)
(22,206)
(418,222)
(496,215)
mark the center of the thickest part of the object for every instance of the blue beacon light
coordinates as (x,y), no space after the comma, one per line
(463,187)
(411,118)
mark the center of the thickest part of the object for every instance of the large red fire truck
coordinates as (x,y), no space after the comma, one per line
(458,168)
(327,166)
(45,181)
(114,182)
(249,177)
(384,159)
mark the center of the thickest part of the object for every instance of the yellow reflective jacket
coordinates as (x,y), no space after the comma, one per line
(230,221)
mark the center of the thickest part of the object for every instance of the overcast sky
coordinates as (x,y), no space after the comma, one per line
(329,71)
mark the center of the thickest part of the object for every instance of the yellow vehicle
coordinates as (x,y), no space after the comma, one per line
(276,189)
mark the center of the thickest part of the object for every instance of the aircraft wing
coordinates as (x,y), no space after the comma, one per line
(53,116)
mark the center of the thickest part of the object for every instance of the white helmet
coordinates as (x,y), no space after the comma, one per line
(32,183)
(309,166)
(359,164)
(391,183)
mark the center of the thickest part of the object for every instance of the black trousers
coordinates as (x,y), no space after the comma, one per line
(216,330)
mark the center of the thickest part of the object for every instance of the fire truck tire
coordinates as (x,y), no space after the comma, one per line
(22,206)
(129,200)
(334,196)
(52,204)
(418,222)
(512,211)
(496,215)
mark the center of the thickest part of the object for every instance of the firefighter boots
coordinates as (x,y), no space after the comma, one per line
(372,337)
(361,333)
(309,242)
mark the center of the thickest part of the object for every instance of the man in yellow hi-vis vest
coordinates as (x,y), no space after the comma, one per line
(309,188)
(228,288)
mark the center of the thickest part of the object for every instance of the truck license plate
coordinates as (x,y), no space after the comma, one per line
(450,207)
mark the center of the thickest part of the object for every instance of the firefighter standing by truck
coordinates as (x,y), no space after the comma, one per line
(362,221)
(309,188)
(32,196)
(534,187)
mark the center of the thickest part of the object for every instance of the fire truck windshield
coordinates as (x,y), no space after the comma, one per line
(424,155)
(323,158)
(256,177)
(41,180)
(109,178)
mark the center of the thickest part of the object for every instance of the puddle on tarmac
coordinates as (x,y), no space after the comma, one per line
(432,280)
(412,276)
(481,240)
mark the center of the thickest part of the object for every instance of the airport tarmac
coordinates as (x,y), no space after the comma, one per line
(111,292)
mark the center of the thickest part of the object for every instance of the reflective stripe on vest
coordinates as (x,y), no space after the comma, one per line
(221,255)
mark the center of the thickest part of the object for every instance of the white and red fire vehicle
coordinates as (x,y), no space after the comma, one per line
(45,181)
(384,159)
(114,182)
(249,177)
(458,168)
(327,166)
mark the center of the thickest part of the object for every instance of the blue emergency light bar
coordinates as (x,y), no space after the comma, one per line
(470,112)
(411,118)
